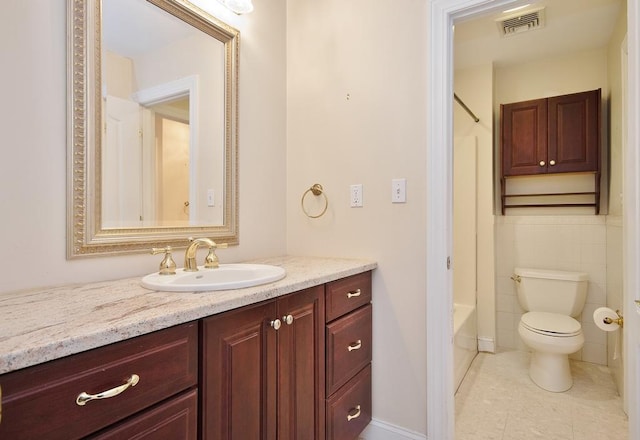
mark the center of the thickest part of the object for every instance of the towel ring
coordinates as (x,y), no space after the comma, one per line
(316,190)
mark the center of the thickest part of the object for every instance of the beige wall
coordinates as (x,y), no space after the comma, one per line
(356,114)
(33,174)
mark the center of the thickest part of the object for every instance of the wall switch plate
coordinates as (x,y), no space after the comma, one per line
(356,195)
(211,200)
(398,190)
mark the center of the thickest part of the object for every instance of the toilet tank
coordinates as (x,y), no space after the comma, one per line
(554,291)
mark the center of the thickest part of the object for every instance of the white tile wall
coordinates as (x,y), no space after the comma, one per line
(576,243)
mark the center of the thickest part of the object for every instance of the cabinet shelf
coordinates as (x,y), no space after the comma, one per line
(518,200)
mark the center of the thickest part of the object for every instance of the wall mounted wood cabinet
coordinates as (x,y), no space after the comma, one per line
(560,134)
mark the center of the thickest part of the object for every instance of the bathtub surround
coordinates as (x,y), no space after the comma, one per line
(465,341)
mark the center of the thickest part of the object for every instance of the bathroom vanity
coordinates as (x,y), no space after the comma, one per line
(286,360)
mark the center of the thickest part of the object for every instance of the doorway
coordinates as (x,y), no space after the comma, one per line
(443,13)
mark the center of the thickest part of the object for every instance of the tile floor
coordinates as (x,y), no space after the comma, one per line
(498,401)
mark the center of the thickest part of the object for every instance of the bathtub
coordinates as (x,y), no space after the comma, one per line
(465,340)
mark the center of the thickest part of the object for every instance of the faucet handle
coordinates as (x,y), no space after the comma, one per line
(211,261)
(167,265)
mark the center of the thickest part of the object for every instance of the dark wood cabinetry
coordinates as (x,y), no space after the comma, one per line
(263,370)
(270,370)
(560,134)
(349,351)
(41,401)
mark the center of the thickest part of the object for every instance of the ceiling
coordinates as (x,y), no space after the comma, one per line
(571,26)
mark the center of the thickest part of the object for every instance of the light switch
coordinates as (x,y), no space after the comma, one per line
(356,195)
(211,200)
(399,190)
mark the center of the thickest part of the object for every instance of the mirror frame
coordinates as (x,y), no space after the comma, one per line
(85,234)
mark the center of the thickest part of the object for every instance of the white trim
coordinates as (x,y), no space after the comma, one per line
(439,300)
(379,430)
(187,86)
(487,345)
(631,226)
(439,294)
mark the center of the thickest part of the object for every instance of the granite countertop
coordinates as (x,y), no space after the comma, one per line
(50,323)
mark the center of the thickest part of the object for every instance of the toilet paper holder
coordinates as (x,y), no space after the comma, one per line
(619,320)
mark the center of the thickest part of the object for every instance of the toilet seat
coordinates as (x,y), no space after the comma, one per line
(551,324)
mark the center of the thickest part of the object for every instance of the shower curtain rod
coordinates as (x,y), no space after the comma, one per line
(464,106)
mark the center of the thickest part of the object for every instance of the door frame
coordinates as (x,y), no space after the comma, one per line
(439,281)
(630,226)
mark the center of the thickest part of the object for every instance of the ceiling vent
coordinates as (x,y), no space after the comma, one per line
(522,21)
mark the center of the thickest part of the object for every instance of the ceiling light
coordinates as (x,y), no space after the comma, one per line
(238,6)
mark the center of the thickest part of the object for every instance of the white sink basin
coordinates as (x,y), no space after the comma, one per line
(227,276)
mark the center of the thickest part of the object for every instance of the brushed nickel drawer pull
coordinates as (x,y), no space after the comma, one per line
(83,397)
(288,319)
(354,294)
(355,346)
(355,415)
(276,324)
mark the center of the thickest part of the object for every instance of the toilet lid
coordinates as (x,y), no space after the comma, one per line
(551,323)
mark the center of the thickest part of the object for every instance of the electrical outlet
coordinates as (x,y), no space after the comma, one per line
(356,195)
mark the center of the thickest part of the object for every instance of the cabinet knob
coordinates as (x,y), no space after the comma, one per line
(288,319)
(552,162)
(542,163)
(276,323)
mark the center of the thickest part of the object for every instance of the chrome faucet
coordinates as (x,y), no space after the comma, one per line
(210,262)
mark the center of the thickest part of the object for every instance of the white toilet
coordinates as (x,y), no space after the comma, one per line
(552,300)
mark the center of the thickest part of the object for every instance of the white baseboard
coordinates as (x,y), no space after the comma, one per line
(486,344)
(379,430)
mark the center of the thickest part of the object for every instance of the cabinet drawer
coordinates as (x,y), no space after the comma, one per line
(349,410)
(175,419)
(40,402)
(345,295)
(348,342)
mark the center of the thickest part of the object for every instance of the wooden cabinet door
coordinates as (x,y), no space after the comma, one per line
(238,386)
(524,137)
(574,132)
(301,365)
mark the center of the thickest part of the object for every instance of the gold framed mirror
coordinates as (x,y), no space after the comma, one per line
(152,126)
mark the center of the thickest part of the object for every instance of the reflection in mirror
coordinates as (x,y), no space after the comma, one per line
(160,95)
